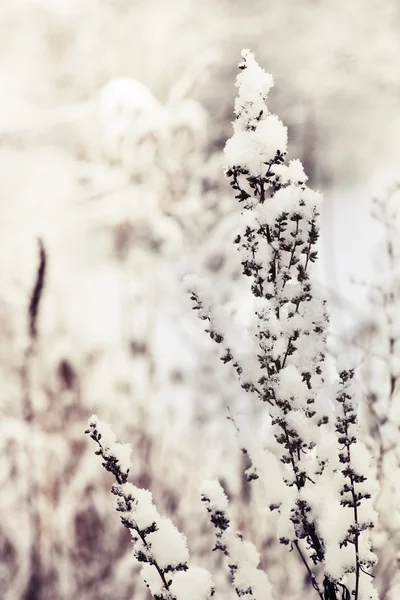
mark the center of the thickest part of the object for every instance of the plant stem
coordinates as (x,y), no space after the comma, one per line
(311,574)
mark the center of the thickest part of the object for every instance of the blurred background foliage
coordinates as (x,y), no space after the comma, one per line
(113,117)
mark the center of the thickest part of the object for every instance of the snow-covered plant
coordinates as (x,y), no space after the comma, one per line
(242,556)
(157,543)
(325,508)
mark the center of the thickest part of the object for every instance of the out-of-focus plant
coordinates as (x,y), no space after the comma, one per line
(378,341)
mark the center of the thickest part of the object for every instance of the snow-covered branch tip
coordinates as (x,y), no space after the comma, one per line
(157,543)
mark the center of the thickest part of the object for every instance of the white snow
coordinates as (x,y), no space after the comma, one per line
(168,544)
(194,584)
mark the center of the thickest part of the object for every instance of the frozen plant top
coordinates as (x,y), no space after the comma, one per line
(258,134)
(216,497)
(121,453)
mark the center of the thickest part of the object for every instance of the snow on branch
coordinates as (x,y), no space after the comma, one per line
(242,556)
(157,543)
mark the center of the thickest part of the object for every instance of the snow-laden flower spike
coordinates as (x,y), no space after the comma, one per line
(277,244)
